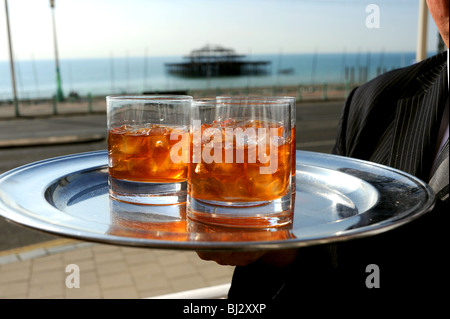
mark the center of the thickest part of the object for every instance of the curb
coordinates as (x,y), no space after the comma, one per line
(33,116)
(212,292)
(34,141)
(40,250)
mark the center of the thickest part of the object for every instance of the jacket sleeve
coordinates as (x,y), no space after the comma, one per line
(340,146)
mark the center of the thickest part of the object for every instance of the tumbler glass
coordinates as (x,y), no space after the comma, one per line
(148,148)
(292,101)
(240,170)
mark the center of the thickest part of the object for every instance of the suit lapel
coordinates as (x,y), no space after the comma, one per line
(439,180)
(416,125)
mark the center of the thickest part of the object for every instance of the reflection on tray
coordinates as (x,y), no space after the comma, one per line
(170,223)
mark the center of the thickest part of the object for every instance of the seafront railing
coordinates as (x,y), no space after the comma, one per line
(77,104)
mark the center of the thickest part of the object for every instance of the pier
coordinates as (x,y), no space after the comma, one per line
(212,61)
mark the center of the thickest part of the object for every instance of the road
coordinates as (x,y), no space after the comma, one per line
(316,131)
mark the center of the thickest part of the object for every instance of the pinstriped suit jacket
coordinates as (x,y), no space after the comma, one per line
(392,120)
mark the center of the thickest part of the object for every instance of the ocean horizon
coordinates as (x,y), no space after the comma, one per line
(36,79)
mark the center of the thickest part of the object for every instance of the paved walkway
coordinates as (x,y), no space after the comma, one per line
(54,269)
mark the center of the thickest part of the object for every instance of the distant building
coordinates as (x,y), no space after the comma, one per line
(213,61)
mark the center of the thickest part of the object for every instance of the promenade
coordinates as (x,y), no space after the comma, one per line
(95,104)
(41,270)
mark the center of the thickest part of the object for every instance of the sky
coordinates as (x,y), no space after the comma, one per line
(104,28)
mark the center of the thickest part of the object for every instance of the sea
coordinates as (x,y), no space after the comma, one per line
(36,79)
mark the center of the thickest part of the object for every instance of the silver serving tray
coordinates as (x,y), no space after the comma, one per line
(336,198)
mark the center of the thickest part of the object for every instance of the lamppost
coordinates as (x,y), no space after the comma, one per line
(421,51)
(11,62)
(59,92)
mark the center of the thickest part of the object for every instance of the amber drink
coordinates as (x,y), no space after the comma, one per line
(293,110)
(143,154)
(240,173)
(148,148)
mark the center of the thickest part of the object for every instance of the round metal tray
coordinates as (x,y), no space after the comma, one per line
(336,198)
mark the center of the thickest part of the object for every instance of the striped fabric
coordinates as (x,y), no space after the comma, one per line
(394,120)
(439,179)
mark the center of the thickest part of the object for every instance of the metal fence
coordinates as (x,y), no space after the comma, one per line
(95,104)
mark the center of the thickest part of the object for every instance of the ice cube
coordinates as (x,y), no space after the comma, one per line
(200,168)
(133,144)
(230,169)
(159,148)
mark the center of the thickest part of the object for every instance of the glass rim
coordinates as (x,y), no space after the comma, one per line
(149,97)
(256,97)
(255,100)
(241,100)
(204,101)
